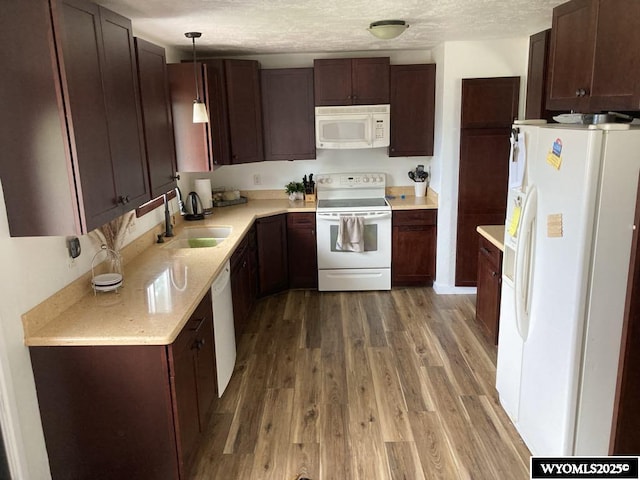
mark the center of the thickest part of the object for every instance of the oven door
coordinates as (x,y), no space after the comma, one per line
(377,241)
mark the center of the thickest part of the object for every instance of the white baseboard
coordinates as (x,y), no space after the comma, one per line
(441,289)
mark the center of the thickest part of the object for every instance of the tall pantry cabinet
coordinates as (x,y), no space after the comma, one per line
(71,120)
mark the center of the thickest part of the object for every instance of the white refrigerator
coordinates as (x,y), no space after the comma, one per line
(565,267)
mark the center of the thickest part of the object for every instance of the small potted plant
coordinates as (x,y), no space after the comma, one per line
(295,190)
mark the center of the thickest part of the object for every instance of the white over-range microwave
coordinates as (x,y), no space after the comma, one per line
(356,126)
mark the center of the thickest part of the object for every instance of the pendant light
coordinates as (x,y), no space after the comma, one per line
(199,108)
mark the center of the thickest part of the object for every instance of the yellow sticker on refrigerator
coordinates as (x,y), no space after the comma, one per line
(554,157)
(515,220)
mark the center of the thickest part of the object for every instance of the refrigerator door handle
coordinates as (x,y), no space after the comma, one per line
(525,253)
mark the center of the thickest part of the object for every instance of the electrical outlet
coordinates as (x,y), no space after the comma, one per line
(256,179)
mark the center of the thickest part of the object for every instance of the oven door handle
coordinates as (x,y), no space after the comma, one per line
(335,218)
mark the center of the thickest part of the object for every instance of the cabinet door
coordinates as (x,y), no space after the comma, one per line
(303,258)
(78,30)
(216,100)
(191,139)
(490,102)
(332,81)
(615,84)
(205,360)
(272,254)
(241,287)
(370,81)
(30,85)
(537,75)
(123,109)
(287,107)
(106,411)
(413,260)
(413,90)
(245,111)
(184,384)
(489,280)
(156,115)
(573,37)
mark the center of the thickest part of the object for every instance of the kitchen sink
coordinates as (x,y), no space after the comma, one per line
(200,237)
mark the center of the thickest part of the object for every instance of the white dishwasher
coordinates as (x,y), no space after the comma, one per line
(223,328)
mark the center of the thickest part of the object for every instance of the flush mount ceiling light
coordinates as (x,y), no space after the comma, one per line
(199,108)
(388,29)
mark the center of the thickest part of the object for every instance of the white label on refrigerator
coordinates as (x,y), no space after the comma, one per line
(518,159)
(554,225)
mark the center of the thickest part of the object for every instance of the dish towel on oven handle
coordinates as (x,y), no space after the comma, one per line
(350,234)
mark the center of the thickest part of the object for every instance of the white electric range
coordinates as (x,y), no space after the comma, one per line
(360,195)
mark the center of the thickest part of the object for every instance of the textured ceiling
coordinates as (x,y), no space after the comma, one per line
(236,27)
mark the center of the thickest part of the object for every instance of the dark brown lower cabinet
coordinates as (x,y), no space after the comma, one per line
(273,267)
(301,243)
(135,411)
(243,282)
(413,247)
(489,287)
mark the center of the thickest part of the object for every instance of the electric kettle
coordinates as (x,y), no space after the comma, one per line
(193,204)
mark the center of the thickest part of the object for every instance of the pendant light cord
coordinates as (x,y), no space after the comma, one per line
(195,69)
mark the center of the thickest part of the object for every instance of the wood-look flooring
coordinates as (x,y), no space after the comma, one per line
(362,385)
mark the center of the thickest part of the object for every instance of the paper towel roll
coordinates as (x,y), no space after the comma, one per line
(203,189)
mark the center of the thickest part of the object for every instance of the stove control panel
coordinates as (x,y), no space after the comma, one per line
(351,180)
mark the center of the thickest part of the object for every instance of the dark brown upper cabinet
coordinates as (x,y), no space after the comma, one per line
(231,91)
(288,115)
(595,56)
(351,81)
(537,75)
(156,115)
(413,93)
(489,102)
(71,121)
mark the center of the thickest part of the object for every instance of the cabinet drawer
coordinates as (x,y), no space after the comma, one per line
(489,251)
(415,217)
(301,220)
(187,336)
(240,253)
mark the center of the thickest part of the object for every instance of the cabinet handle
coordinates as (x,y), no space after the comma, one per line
(124,199)
(581,92)
(198,344)
(485,251)
(175,177)
(494,274)
(244,264)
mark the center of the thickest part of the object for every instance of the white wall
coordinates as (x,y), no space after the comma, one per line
(33,269)
(458,60)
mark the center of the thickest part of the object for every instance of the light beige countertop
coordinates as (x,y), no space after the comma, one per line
(410,201)
(162,287)
(493,233)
